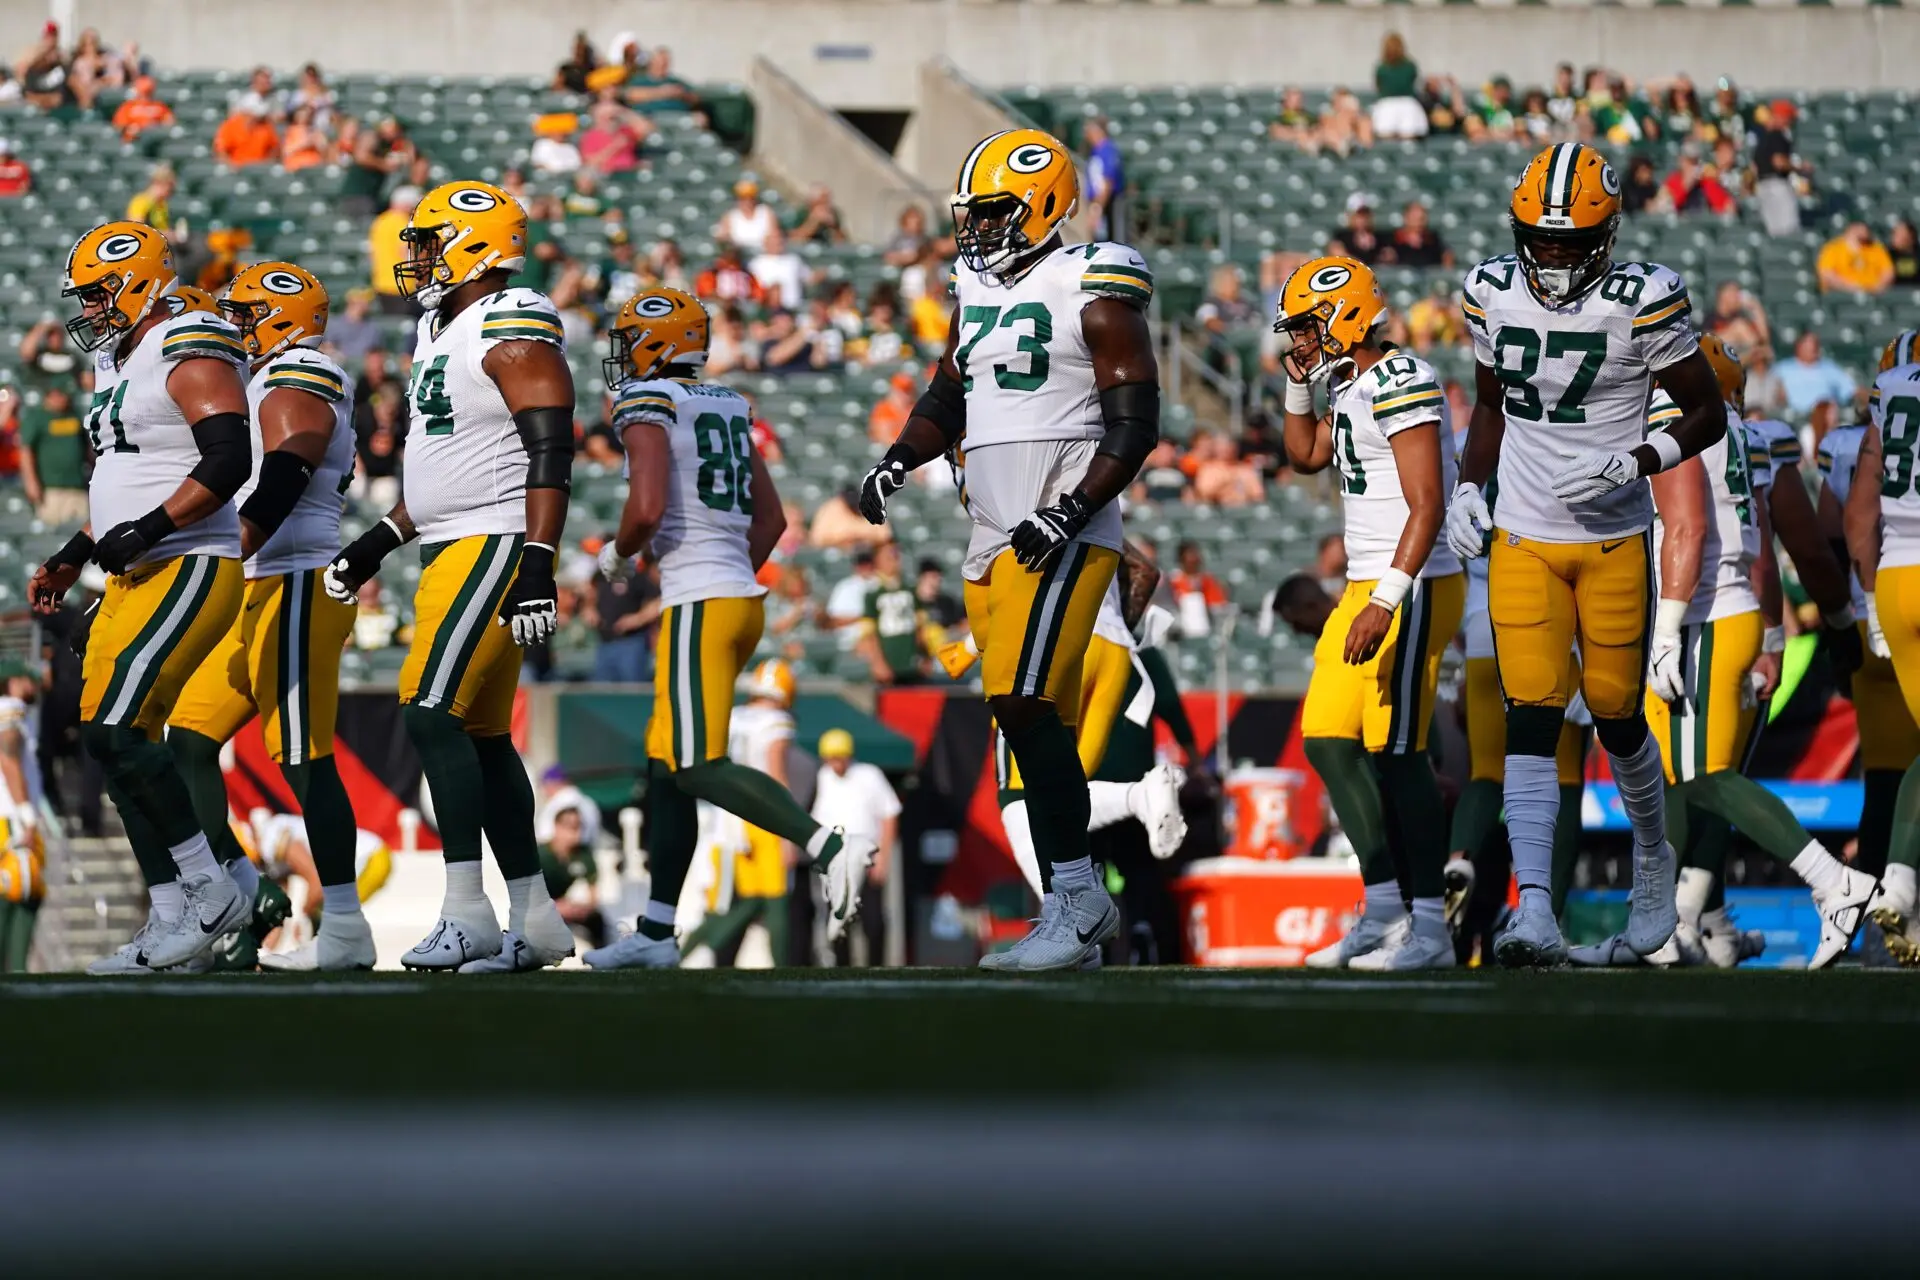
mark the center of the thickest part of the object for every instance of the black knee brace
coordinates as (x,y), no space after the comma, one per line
(1534,731)
(1621,737)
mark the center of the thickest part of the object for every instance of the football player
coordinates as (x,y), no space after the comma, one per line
(1050,375)
(1569,345)
(489,469)
(281,657)
(1377,662)
(700,497)
(168,427)
(1882,523)
(23,861)
(1718,597)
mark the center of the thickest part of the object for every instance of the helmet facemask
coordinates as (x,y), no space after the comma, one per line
(424,275)
(102,319)
(247,317)
(1309,353)
(1561,266)
(987,231)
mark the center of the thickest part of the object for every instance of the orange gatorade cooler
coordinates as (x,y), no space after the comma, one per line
(1247,912)
(1273,813)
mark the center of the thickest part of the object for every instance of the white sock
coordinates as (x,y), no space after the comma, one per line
(1898,886)
(1020,836)
(1690,893)
(1077,874)
(341,899)
(1820,869)
(1532,797)
(524,894)
(245,875)
(1110,802)
(1384,902)
(1430,915)
(463,888)
(168,901)
(194,857)
(1642,781)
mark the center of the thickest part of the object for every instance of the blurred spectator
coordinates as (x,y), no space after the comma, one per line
(1492,119)
(91,69)
(1355,238)
(1162,479)
(1330,563)
(623,64)
(513,181)
(941,607)
(1434,320)
(1725,165)
(152,204)
(629,620)
(140,112)
(377,445)
(247,136)
(617,276)
(1225,306)
(1446,106)
(1221,477)
(667,263)
(1293,123)
(1811,377)
(843,312)
(728,279)
(1563,100)
(1397,112)
(1904,248)
(788,347)
(43,72)
(927,314)
(553,150)
(571,75)
(1780,179)
(1617,115)
(1414,243)
(568,868)
(258,98)
(304,145)
(1261,447)
(354,332)
(829,343)
(1106,180)
(790,603)
(819,221)
(1724,114)
(1738,319)
(884,337)
(781,273)
(656,91)
(729,347)
(46,364)
(837,523)
(1196,593)
(909,242)
(891,411)
(748,222)
(582,199)
(385,251)
(847,600)
(311,92)
(1854,261)
(16,179)
(890,632)
(1681,116)
(1535,122)
(1766,394)
(1457,403)
(1640,191)
(1343,125)
(420,173)
(1691,189)
(377,153)
(53,458)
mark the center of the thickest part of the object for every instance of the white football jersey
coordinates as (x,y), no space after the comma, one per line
(755,733)
(310,535)
(1401,391)
(1838,456)
(1732,541)
(1577,378)
(702,540)
(143,444)
(1773,445)
(466,471)
(1896,411)
(1022,356)
(1110,623)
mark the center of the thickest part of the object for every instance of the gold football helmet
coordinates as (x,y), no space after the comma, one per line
(1904,349)
(657,327)
(1565,211)
(1727,371)
(459,232)
(1015,190)
(1326,310)
(275,305)
(772,679)
(117,272)
(189,297)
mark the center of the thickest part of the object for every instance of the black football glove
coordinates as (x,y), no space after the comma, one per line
(532,605)
(1038,539)
(1844,654)
(127,542)
(359,561)
(83,629)
(889,476)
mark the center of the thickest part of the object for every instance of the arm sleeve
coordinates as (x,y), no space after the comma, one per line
(1116,271)
(1663,332)
(1406,393)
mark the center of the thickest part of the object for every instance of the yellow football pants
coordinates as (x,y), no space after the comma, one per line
(1386,702)
(1033,629)
(1889,738)
(1104,674)
(1487,728)
(461,658)
(1897,598)
(1707,731)
(703,647)
(155,627)
(1542,596)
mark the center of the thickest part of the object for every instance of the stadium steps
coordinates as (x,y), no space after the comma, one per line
(94,901)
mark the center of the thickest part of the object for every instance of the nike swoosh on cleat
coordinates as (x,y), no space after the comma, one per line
(206,927)
(1086,935)
(1612,546)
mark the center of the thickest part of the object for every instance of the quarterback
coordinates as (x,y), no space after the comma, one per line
(489,469)
(700,497)
(1377,662)
(281,657)
(1050,377)
(1569,346)
(168,426)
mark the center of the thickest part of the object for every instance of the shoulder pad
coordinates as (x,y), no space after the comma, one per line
(1660,301)
(521,314)
(654,400)
(305,369)
(1484,282)
(197,334)
(1112,270)
(1403,383)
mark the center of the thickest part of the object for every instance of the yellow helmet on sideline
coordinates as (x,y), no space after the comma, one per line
(117,272)
(1015,190)
(458,233)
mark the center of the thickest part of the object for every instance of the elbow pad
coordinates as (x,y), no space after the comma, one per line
(1132,414)
(944,404)
(226,453)
(283,478)
(548,435)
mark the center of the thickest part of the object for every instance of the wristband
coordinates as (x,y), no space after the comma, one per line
(155,525)
(1299,398)
(1773,640)
(1841,619)
(1391,589)
(1669,616)
(1666,449)
(75,554)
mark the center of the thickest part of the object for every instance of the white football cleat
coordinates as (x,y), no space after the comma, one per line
(546,932)
(1686,949)
(1407,947)
(1652,914)
(1367,935)
(1073,925)
(214,908)
(454,942)
(1725,942)
(1841,914)
(1612,953)
(846,877)
(635,951)
(1531,940)
(1155,801)
(344,943)
(126,958)
(518,955)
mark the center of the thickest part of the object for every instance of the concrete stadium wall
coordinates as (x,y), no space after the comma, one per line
(866,53)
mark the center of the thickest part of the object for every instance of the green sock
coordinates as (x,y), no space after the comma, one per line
(17,920)
(332,833)
(452,770)
(149,850)
(673,830)
(1056,787)
(1354,790)
(723,930)
(197,757)
(1904,845)
(1420,815)
(751,796)
(141,777)
(1475,817)
(508,813)
(1881,791)
(1566,845)
(1754,811)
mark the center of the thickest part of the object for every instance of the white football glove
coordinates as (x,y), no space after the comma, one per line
(1876,638)
(614,567)
(1469,524)
(881,483)
(1664,653)
(338,582)
(1595,475)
